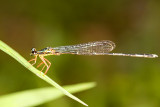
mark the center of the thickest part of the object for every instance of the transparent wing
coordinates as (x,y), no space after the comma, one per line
(90,48)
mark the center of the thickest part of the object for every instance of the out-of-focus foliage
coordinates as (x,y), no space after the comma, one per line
(122,81)
(35,97)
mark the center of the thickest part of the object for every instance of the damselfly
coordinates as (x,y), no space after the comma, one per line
(91,48)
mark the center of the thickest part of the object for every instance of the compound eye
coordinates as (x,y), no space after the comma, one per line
(33,50)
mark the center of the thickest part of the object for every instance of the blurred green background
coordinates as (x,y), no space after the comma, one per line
(122,81)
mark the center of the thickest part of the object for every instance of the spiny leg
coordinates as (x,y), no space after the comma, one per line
(40,64)
(48,66)
(35,59)
(43,68)
(43,60)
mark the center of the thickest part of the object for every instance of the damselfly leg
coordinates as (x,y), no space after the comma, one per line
(40,65)
(45,64)
(34,59)
(44,61)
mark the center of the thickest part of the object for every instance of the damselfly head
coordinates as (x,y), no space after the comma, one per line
(33,52)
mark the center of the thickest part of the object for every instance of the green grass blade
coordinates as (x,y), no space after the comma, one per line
(4,47)
(39,96)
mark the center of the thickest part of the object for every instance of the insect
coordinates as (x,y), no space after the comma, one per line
(91,48)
